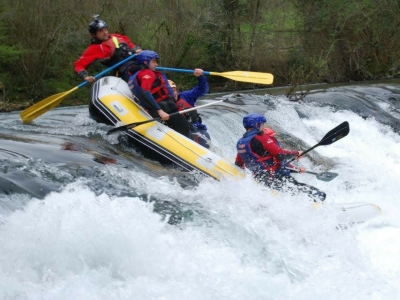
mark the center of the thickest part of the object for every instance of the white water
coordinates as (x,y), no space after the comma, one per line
(243,242)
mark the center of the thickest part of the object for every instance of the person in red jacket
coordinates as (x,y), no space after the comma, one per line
(155,94)
(261,153)
(107,48)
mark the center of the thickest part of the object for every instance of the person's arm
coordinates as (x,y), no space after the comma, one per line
(198,91)
(153,103)
(90,56)
(146,78)
(276,151)
(295,169)
(239,161)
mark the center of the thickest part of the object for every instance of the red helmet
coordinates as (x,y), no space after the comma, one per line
(269,131)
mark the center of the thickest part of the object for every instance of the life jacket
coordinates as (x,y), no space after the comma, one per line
(119,51)
(253,161)
(159,89)
(192,116)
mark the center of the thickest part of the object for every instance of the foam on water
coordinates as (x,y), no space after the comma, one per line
(240,241)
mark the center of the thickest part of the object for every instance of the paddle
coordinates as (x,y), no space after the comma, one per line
(332,136)
(244,76)
(324,176)
(131,125)
(49,103)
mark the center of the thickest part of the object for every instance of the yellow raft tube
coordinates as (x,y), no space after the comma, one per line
(113,103)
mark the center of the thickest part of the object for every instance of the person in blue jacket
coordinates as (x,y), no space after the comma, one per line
(187,99)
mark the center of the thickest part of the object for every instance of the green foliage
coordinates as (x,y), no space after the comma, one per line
(358,39)
(8,53)
(299,41)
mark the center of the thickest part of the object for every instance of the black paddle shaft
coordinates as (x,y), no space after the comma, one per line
(129,126)
(332,136)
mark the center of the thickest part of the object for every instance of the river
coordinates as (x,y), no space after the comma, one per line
(83,216)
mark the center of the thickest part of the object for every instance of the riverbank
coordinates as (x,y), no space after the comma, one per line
(6,106)
(293,93)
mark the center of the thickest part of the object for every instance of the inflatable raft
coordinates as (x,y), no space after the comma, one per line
(112,103)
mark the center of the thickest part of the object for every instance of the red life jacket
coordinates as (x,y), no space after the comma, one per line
(182,104)
(159,88)
(192,116)
(252,160)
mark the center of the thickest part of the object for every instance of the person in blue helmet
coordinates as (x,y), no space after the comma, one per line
(262,155)
(154,93)
(187,99)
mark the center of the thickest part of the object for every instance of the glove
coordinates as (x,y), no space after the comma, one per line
(136,49)
(82,74)
(199,126)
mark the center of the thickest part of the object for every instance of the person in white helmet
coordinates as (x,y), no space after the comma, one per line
(187,99)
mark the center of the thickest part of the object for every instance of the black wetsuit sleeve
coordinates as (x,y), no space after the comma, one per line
(258,147)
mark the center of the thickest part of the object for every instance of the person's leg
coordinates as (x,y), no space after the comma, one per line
(201,137)
(176,122)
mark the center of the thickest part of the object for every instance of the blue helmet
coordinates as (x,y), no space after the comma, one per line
(96,24)
(253,121)
(146,55)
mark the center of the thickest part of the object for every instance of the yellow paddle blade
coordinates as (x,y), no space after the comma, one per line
(45,105)
(247,76)
(38,109)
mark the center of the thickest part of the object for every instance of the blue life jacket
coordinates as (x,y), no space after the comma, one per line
(253,161)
